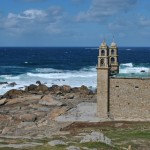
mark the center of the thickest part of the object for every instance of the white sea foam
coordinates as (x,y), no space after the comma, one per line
(134,70)
(17,67)
(85,76)
(10,77)
(61,74)
(127,65)
(129,68)
(47,70)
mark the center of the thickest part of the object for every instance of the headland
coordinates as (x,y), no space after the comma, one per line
(62,117)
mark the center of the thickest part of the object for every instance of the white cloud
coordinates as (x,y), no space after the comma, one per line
(34,20)
(28,14)
(101,9)
(33,13)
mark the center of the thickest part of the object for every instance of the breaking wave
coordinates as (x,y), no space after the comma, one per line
(129,68)
(50,76)
(86,76)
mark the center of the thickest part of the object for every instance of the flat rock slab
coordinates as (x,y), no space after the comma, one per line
(24,145)
(72,148)
(49,101)
(56,142)
(96,137)
(27,117)
(84,111)
(57,112)
(3,101)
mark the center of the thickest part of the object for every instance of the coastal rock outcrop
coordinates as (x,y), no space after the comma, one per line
(41,88)
(38,82)
(66,89)
(66,92)
(12,94)
(27,117)
(33,111)
(49,100)
(1,83)
(55,89)
(12,84)
(31,87)
(3,101)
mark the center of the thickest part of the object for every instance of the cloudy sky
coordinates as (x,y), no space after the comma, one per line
(74,22)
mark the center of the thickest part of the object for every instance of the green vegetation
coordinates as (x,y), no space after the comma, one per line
(47,147)
(95,145)
(137,135)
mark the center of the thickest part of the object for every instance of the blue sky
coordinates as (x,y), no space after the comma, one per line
(74,22)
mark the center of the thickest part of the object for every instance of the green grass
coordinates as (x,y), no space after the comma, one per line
(136,134)
(7,148)
(121,137)
(95,145)
(47,147)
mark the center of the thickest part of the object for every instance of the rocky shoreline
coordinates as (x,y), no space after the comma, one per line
(43,118)
(32,112)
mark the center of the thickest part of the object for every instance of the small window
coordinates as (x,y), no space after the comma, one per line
(112,60)
(103,53)
(102,62)
(112,52)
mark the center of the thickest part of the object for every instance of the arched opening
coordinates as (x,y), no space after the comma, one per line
(103,53)
(112,60)
(112,52)
(102,62)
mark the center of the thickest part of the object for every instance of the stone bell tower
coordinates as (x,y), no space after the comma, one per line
(113,58)
(103,72)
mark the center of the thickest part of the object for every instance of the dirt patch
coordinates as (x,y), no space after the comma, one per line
(114,124)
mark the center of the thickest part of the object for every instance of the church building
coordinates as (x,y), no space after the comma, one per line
(120,98)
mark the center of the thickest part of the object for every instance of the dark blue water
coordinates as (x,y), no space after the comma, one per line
(20,60)
(73,66)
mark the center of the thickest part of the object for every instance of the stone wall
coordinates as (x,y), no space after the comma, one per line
(129,99)
(102,92)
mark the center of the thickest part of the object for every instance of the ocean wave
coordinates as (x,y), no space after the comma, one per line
(64,75)
(10,77)
(127,64)
(47,70)
(12,67)
(52,70)
(85,76)
(129,68)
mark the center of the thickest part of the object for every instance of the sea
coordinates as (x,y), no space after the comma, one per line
(74,66)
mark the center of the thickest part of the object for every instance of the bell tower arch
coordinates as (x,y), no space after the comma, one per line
(113,58)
